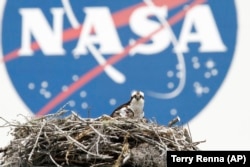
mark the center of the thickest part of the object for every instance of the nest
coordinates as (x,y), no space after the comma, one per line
(59,140)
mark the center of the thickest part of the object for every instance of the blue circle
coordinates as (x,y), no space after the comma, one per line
(40,78)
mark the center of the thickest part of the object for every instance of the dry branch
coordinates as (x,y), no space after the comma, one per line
(59,140)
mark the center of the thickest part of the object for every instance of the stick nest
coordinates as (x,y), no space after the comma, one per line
(59,140)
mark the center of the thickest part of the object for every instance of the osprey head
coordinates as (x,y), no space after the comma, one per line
(137,95)
(137,104)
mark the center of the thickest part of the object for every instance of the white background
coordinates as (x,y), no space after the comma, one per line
(224,123)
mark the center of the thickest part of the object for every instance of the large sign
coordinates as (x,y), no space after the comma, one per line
(92,54)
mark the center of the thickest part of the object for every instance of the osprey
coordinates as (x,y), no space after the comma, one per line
(133,108)
(123,112)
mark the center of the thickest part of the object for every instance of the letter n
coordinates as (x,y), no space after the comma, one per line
(34,24)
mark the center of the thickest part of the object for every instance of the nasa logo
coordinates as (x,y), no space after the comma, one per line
(92,54)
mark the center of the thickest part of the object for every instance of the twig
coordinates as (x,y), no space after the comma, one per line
(56,140)
(52,159)
(163,144)
(177,144)
(174,121)
(96,131)
(125,153)
(191,139)
(35,145)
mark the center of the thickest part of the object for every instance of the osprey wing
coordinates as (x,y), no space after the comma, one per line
(118,108)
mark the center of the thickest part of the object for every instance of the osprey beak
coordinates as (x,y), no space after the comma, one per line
(137,97)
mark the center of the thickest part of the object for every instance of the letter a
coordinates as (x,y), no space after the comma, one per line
(98,19)
(207,34)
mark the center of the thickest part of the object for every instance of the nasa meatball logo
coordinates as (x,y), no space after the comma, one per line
(92,54)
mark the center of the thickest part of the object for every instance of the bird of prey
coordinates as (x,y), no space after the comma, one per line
(133,108)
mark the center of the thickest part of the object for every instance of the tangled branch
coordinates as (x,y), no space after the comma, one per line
(59,140)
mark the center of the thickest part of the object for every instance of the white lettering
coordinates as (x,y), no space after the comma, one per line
(34,24)
(188,160)
(99,29)
(200,158)
(206,32)
(142,25)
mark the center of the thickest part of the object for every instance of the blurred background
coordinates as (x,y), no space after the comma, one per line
(189,57)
